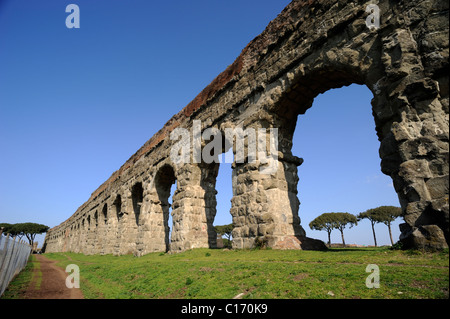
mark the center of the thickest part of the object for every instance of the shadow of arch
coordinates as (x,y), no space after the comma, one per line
(105,213)
(118,207)
(137,198)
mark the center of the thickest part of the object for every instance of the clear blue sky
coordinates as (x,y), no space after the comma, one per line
(75,104)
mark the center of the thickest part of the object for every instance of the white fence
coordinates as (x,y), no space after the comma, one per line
(13,258)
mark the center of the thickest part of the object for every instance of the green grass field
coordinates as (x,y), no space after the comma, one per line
(205,273)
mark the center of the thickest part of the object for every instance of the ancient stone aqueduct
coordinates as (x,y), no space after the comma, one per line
(311,47)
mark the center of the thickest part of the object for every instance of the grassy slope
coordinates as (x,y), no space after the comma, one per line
(204,273)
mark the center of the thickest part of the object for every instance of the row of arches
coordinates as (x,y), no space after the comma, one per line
(269,89)
(126,221)
(140,221)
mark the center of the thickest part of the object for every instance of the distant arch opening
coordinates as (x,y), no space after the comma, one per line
(224,187)
(341,170)
(117,204)
(165,184)
(137,196)
(105,213)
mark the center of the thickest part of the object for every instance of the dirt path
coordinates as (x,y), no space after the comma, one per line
(49,282)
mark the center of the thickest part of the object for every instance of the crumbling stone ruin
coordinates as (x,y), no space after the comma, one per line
(311,47)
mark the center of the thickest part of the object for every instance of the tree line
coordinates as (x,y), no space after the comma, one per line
(29,230)
(225,230)
(339,221)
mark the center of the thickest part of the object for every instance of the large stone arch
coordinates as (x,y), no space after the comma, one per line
(157,221)
(411,116)
(311,47)
(119,215)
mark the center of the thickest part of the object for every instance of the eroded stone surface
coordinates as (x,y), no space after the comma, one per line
(311,47)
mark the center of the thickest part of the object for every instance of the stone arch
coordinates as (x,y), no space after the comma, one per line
(163,181)
(93,240)
(103,241)
(299,97)
(105,213)
(117,204)
(349,145)
(83,233)
(223,195)
(118,220)
(137,197)
(401,97)
(208,179)
(208,182)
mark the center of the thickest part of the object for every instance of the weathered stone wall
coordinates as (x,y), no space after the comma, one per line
(311,47)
